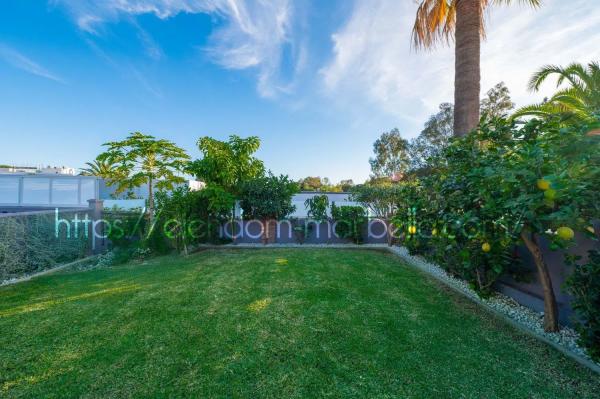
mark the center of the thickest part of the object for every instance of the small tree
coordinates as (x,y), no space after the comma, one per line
(183,212)
(349,221)
(228,164)
(142,159)
(266,198)
(317,207)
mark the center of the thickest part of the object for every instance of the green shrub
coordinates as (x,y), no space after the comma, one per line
(350,221)
(268,197)
(317,207)
(29,244)
(584,285)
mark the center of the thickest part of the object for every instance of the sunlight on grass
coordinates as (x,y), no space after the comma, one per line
(47,304)
(281,261)
(259,305)
(33,379)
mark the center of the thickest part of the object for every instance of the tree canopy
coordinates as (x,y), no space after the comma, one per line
(228,163)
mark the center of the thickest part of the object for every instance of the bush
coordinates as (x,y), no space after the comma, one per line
(584,285)
(350,221)
(268,197)
(317,207)
(188,217)
(29,244)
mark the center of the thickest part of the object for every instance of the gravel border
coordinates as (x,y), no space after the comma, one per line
(522,317)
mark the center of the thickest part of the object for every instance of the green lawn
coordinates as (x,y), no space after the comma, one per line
(267,323)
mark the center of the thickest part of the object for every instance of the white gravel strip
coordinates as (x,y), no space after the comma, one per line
(523,316)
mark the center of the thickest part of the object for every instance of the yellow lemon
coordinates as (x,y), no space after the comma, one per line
(486,247)
(543,184)
(566,233)
(412,229)
(550,194)
(434,232)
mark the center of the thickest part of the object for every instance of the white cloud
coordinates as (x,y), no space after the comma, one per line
(20,61)
(373,59)
(253,34)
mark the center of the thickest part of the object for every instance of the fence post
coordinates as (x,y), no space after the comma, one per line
(97,228)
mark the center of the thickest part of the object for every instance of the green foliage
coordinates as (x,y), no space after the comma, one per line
(485,191)
(584,285)
(142,159)
(433,138)
(301,229)
(29,244)
(439,129)
(268,197)
(497,103)
(228,164)
(350,221)
(380,200)
(311,183)
(577,103)
(316,183)
(100,168)
(317,207)
(391,155)
(190,217)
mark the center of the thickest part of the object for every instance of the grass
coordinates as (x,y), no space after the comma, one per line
(267,323)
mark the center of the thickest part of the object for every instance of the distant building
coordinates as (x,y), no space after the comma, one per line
(55,170)
(48,170)
(17,169)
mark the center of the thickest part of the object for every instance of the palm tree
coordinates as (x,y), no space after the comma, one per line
(577,103)
(103,169)
(463,21)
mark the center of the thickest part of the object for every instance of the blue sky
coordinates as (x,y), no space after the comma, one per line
(317,80)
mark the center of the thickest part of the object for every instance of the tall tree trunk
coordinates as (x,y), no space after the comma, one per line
(150,200)
(550,307)
(467,76)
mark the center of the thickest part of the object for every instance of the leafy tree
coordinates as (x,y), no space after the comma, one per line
(349,221)
(579,102)
(142,159)
(228,164)
(439,129)
(497,102)
(187,216)
(310,183)
(380,200)
(507,183)
(346,185)
(379,181)
(462,22)
(268,197)
(391,155)
(433,138)
(317,207)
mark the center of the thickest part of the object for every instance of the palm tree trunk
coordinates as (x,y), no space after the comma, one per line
(467,75)
(550,307)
